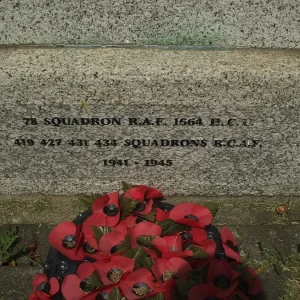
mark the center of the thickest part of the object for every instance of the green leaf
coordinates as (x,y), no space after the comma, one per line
(94,281)
(146,240)
(9,247)
(115,294)
(159,296)
(183,286)
(125,245)
(170,227)
(88,200)
(212,206)
(141,259)
(127,186)
(98,232)
(197,276)
(150,217)
(198,253)
(127,206)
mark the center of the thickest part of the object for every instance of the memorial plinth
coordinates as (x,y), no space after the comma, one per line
(232,23)
(192,122)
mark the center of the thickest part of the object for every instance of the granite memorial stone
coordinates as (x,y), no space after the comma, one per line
(231,23)
(192,122)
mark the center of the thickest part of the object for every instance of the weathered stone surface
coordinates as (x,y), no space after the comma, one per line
(255,23)
(257,92)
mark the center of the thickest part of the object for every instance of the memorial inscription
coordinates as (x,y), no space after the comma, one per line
(205,142)
(191,122)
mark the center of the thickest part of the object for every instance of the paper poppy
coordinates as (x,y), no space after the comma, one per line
(144,229)
(113,270)
(249,283)
(101,293)
(191,214)
(209,247)
(203,292)
(67,239)
(44,289)
(74,286)
(223,277)
(110,242)
(230,245)
(161,215)
(167,288)
(196,236)
(138,285)
(168,269)
(143,193)
(108,206)
(171,246)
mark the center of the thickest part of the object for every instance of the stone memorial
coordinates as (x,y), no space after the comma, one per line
(233,23)
(191,122)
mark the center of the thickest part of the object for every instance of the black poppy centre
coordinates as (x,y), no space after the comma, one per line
(88,249)
(114,249)
(84,286)
(69,241)
(140,207)
(222,282)
(192,217)
(110,210)
(141,289)
(115,275)
(102,296)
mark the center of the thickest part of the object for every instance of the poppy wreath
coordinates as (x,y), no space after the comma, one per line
(133,245)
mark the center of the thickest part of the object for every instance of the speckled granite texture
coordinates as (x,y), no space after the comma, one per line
(253,23)
(261,87)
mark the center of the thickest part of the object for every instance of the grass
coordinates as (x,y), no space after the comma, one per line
(285,263)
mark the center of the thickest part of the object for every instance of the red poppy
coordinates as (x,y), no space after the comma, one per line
(209,247)
(67,239)
(230,245)
(167,288)
(191,214)
(161,215)
(44,289)
(202,292)
(91,245)
(241,295)
(168,269)
(101,293)
(143,193)
(130,221)
(144,229)
(171,246)
(249,283)
(122,226)
(113,270)
(223,277)
(74,286)
(110,242)
(138,285)
(195,236)
(108,206)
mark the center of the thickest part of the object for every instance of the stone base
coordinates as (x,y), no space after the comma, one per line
(192,122)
